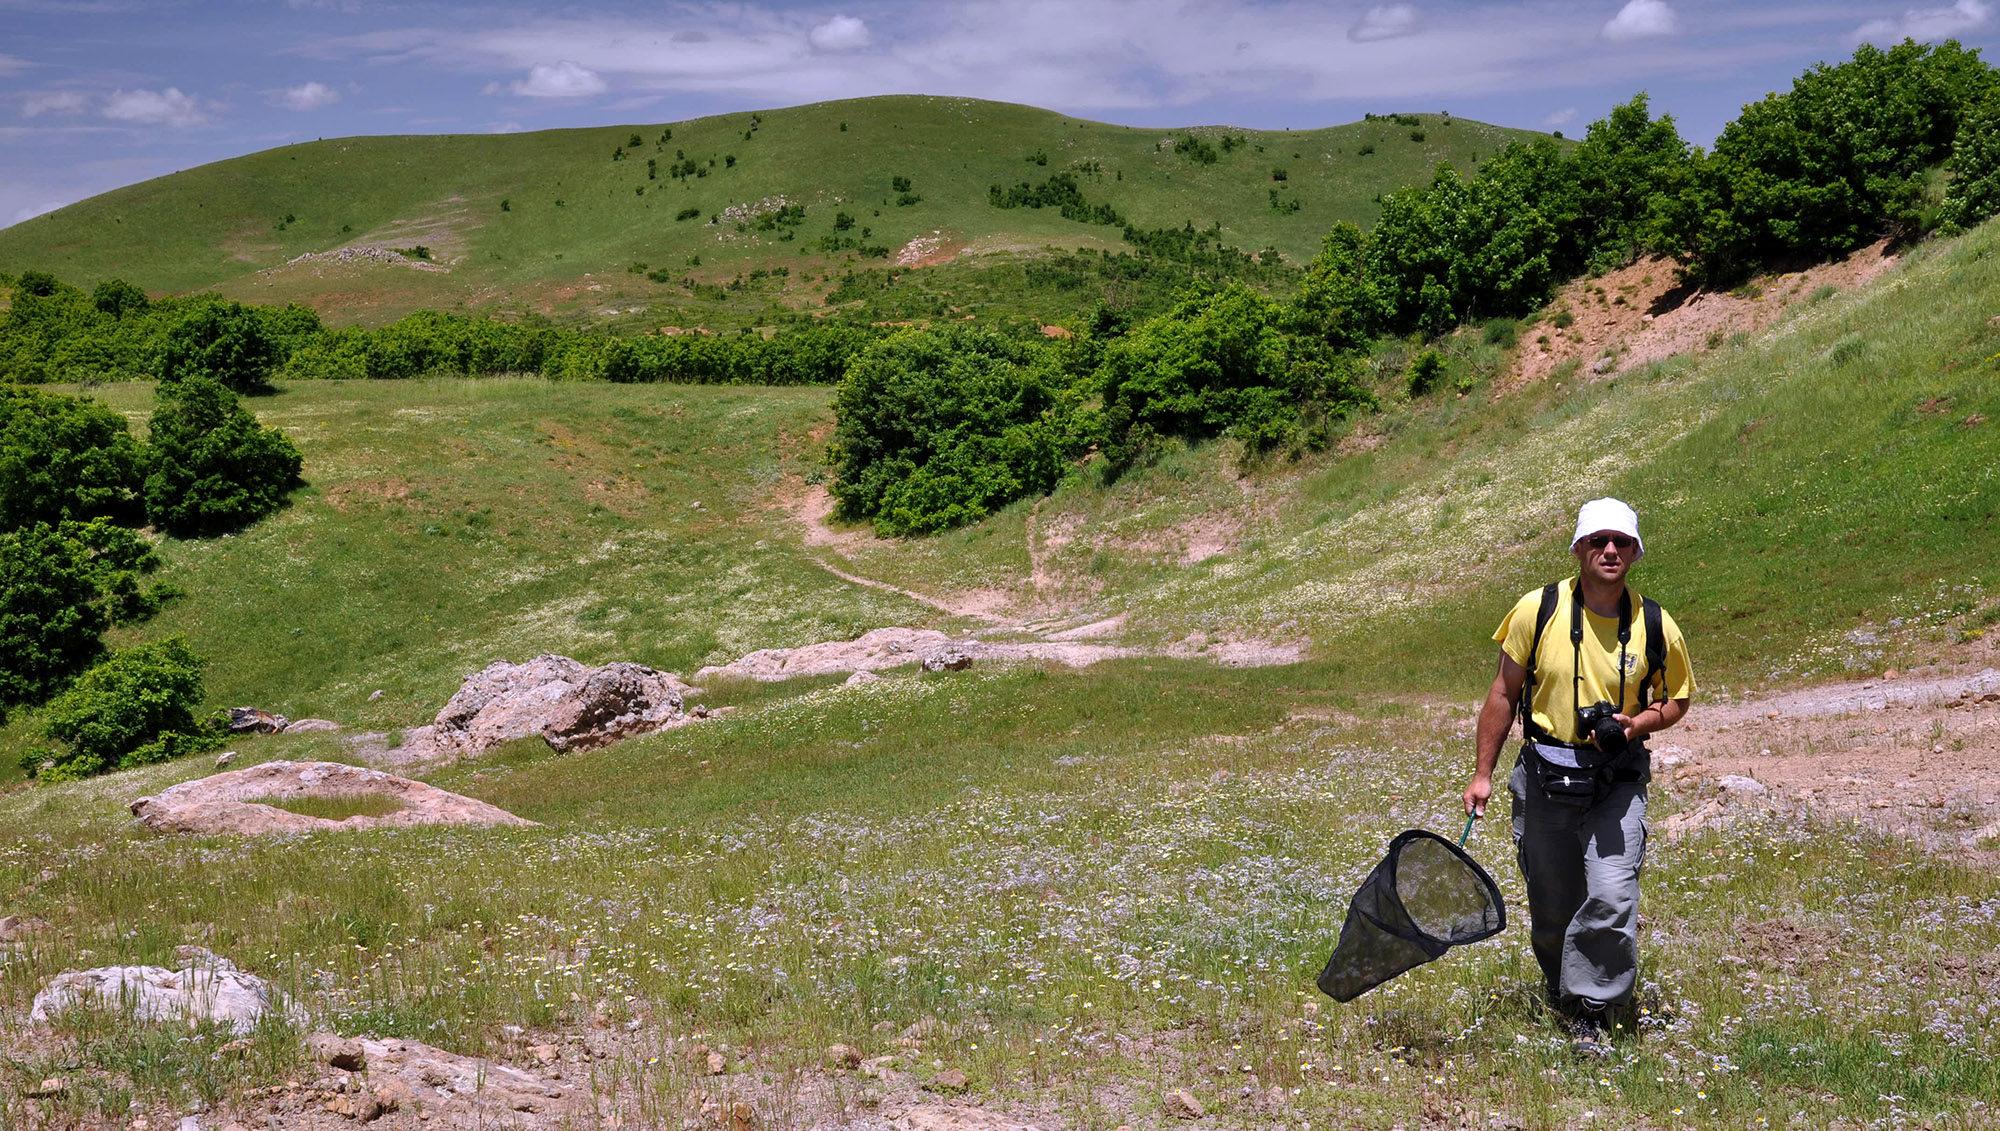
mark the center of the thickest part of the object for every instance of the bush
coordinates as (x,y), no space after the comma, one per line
(1426,372)
(135,708)
(210,466)
(64,458)
(118,559)
(936,428)
(51,622)
(224,342)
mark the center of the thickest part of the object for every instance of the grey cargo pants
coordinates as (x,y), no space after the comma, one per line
(1582,864)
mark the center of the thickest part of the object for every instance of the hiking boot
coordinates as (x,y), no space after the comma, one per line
(1589,1037)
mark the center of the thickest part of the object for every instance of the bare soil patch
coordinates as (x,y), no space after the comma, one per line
(1917,755)
(1639,314)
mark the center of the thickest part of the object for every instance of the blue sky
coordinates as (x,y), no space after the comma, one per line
(99,93)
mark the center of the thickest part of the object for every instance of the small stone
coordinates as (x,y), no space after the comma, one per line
(49,1088)
(883,1027)
(742,1117)
(1738,783)
(1892,673)
(843,1056)
(224,758)
(716,1065)
(233,1048)
(394,1094)
(950,1080)
(1181,1105)
(374,695)
(600,1021)
(951,659)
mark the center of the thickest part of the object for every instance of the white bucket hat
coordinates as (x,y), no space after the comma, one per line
(1611,515)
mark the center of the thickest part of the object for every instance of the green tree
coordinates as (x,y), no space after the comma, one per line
(1215,364)
(51,620)
(135,708)
(64,458)
(936,428)
(1625,173)
(222,341)
(118,298)
(1840,159)
(1974,191)
(210,467)
(1337,303)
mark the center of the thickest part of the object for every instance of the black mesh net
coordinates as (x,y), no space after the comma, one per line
(1425,897)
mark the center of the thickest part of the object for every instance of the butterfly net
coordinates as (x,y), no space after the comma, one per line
(1425,897)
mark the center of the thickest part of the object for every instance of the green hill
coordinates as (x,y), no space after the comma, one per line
(1104,884)
(552,221)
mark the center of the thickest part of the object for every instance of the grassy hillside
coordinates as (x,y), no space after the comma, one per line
(1107,884)
(575,219)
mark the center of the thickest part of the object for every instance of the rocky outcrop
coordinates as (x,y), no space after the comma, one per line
(206,987)
(371,1078)
(226,802)
(571,706)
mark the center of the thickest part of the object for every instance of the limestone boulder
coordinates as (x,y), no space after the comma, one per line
(205,987)
(232,801)
(570,705)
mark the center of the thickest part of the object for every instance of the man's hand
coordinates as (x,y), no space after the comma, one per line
(1477,794)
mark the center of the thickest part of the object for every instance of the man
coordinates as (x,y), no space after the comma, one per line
(1579,800)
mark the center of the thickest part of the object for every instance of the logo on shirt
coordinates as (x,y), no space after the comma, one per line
(1629,663)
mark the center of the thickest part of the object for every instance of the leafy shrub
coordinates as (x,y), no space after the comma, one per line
(936,428)
(210,466)
(1426,372)
(136,708)
(118,298)
(64,458)
(51,622)
(118,559)
(224,342)
(1974,191)
(1197,150)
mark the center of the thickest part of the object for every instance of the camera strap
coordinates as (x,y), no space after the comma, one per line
(1576,644)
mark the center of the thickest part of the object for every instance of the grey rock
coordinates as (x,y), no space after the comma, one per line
(250,720)
(303,726)
(948,660)
(205,987)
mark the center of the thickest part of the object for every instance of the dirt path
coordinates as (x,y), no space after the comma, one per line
(1917,754)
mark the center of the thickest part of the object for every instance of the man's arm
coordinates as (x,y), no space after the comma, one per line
(1496,719)
(1656,717)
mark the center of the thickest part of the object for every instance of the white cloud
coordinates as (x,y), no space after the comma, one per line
(841,33)
(1927,24)
(53,102)
(307,96)
(505,128)
(1642,19)
(558,80)
(1384,21)
(167,107)
(1562,117)
(13,64)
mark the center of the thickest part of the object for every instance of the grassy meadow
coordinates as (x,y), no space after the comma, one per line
(1104,884)
(549,222)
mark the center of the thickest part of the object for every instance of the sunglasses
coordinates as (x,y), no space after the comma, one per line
(1599,541)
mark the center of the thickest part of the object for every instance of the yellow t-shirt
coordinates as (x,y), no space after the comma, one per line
(1553,708)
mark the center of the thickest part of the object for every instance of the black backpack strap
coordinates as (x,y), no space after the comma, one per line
(1656,649)
(1543,615)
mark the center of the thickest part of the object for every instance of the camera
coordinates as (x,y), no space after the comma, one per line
(1596,721)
